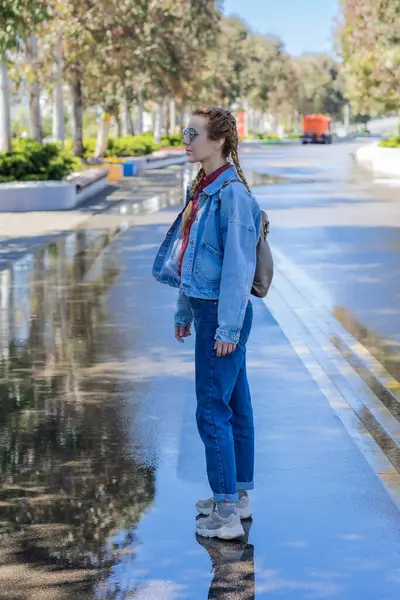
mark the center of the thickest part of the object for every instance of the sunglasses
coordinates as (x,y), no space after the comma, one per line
(192,133)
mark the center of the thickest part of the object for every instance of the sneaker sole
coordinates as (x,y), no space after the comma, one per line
(224,533)
(244,513)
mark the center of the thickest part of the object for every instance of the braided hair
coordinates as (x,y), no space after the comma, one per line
(221,125)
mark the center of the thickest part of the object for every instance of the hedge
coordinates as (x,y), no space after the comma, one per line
(172,140)
(392,142)
(32,161)
(133,145)
(262,136)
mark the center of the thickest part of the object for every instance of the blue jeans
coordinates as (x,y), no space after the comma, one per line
(224,412)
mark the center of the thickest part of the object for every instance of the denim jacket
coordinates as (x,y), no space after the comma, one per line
(220,260)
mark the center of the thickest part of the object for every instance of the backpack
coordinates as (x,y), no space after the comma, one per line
(264,262)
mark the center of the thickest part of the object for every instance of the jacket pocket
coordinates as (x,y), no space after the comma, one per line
(208,264)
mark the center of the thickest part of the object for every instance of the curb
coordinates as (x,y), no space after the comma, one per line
(379,160)
(356,385)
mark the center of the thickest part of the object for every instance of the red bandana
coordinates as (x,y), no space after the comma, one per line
(204,182)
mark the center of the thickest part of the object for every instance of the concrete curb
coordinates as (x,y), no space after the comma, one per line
(382,161)
(359,389)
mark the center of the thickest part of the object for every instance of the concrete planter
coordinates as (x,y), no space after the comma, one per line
(382,161)
(33,196)
(25,196)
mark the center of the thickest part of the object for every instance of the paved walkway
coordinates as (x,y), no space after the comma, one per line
(21,232)
(103,463)
(324,527)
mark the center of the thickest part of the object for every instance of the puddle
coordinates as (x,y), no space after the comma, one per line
(66,480)
(257,179)
(68,474)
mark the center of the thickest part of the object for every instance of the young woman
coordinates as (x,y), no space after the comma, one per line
(209,253)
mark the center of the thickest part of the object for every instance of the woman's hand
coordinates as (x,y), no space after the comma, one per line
(182,331)
(224,348)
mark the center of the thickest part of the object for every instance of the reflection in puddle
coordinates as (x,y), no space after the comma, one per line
(257,179)
(233,566)
(69,476)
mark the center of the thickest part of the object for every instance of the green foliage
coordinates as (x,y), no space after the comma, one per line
(264,136)
(18,19)
(369,40)
(131,146)
(391,142)
(175,140)
(33,161)
(134,145)
(320,88)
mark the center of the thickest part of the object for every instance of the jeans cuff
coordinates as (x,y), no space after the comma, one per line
(245,486)
(226,498)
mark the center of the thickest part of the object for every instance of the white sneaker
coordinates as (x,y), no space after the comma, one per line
(215,526)
(243,508)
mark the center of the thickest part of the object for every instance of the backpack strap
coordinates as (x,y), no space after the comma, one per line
(264,227)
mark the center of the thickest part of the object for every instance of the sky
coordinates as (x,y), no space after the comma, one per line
(303,25)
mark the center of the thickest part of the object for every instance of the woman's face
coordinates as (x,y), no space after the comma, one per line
(198,146)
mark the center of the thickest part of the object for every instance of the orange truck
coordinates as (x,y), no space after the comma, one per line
(317,129)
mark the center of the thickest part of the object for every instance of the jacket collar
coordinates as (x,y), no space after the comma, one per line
(216,185)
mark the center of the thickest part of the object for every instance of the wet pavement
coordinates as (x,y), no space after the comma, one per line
(100,459)
(341,226)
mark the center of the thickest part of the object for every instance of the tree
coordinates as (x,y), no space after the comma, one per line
(369,42)
(19,18)
(320,87)
(181,33)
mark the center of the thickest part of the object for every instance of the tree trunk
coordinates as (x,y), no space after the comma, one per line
(346,118)
(117,123)
(182,123)
(5,118)
(34,90)
(172,116)
(77,113)
(139,122)
(251,121)
(246,117)
(103,134)
(158,122)
(186,114)
(58,107)
(127,124)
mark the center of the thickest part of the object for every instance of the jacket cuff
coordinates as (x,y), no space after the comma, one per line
(231,336)
(182,320)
